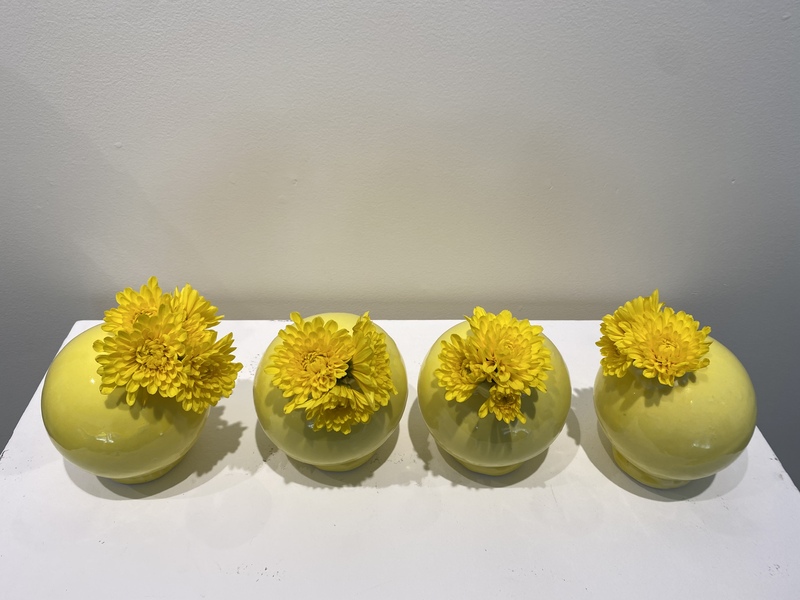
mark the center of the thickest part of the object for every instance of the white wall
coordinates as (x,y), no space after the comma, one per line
(411,158)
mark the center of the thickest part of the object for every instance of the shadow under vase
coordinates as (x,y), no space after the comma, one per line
(218,440)
(293,470)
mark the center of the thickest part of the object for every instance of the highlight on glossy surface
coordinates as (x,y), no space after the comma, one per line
(101,433)
(332,450)
(665,437)
(485,444)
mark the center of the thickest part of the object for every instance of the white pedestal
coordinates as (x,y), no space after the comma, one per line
(237,519)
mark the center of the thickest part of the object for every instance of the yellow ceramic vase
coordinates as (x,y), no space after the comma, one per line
(665,437)
(486,445)
(328,450)
(102,434)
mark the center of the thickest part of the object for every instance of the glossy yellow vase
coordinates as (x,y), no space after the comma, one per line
(665,437)
(328,450)
(486,445)
(102,434)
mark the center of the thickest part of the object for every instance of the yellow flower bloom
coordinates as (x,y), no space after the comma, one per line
(340,379)
(313,356)
(199,314)
(504,404)
(369,366)
(613,362)
(132,304)
(617,332)
(669,346)
(643,334)
(629,314)
(210,373)
(147,357)
(509,352)
(457,374)
(501,350)
(162,343)
(339,409)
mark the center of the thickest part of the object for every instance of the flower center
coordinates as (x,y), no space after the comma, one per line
(490,364)
(152,355)
(505,400)
(315,362)
(348,380)
(466,368)
(667,346)
(667,352)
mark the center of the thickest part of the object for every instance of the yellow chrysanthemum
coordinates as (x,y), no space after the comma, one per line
(617,332)
(210,374)
(510,352)
(643,334)
(457,374)
(499,349)
(199,314)
(132,304)
(147,357)
(504,404)
(635,311)
(313,356)
(162,343)
(339,409)
(340,379)
(613,361)
(369,366)
(669,346)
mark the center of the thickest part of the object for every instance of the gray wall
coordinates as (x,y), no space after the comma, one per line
(414,159)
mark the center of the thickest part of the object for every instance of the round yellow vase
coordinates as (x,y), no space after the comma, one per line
(102,434)
(328,450)
(665,437)
(486,445)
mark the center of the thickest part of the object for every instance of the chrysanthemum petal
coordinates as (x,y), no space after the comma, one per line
(339,379)
(644,334)
(132,304)
(499,349)
(163,345)
(504,404)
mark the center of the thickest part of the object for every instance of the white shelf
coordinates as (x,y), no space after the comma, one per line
(236,518)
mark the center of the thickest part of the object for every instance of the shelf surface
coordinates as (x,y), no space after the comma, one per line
(238,518)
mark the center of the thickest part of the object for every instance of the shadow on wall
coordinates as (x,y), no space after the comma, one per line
(56,190)
(763,333)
